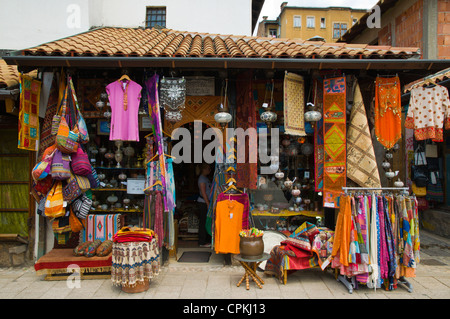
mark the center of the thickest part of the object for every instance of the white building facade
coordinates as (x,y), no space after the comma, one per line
(48,20)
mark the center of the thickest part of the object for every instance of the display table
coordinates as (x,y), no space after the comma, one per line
(250,266)
(134,264)
(288,213)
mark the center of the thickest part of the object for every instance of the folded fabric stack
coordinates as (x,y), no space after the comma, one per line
(127,234)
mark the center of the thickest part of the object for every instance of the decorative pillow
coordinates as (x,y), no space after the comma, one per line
(91,249)
(301,242)
(105,248)
(79,250)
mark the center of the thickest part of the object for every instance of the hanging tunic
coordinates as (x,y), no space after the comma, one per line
(124,97)
(388,111)
(227,227)
(429,109)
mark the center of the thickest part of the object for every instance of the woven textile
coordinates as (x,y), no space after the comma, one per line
(294,103)
(388,111)
(46,137)
(30,90)
(318,136)
(134,262)
(361,162)
(247,173)
(334,130)
(101,227)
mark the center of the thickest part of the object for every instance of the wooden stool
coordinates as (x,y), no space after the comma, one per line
(250,266)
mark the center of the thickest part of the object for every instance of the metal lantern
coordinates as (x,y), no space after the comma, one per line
(268,117)
(223,117)
(173,97)
(386,165)
(312,115)
(279,175)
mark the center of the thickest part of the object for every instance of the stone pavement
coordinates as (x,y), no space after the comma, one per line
(216,281)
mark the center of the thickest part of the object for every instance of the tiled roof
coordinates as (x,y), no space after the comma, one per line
(9,76)
(138,42)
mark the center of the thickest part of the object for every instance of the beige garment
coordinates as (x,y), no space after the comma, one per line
(361,162)
(294,104)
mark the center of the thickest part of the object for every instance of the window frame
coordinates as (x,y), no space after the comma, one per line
(299,17)
(340,29)
(324,25)
(313,20)
(156,15)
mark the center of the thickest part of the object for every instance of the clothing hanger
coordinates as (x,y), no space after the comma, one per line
(232,188)
(124,77)
(157,183)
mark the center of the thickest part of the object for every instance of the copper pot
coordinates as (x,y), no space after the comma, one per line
(251,247)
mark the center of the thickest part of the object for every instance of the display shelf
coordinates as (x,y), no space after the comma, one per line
(117,210)
(109,189)
(120,168)
(288,213)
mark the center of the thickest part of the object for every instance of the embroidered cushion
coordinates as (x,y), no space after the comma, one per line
(92,248)
(105,248)
(79,250)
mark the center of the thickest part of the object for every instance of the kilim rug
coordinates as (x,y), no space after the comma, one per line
(318,136)
(334,130)
(102,227)
(294,104)
(247,173)
(361,162)
(46,138)
(30,90)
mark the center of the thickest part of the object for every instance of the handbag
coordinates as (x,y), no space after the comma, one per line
(54,205)
(80,163)
(66,139)
(419,170)
(81,124)
(83,182)
(71,190)
(81,206)
(418,191)
(93,178)
(74,222)
(43,168)
(60,166)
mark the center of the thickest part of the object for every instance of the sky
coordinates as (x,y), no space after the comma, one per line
(271,8)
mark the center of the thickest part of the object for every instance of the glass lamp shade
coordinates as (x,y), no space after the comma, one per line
(223,118)
(313,116)
(268,117)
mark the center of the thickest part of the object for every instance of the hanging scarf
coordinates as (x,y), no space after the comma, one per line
(373,245)
(390,244)
(383,261)
(159,218)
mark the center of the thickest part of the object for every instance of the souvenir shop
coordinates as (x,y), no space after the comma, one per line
(342,192)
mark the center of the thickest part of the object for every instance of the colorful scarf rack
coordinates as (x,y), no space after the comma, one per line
(376,239)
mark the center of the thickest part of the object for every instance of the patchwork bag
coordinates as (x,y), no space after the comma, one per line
(80,162)
(71,190)
(60,166)
(41,188)
(54,205)
(81,124)
(81,206)
(83,182)
(66,139)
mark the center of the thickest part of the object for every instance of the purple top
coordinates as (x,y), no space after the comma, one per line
(124,97)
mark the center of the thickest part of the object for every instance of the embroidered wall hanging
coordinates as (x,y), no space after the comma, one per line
(388,111)
(318,136)
(334,133)
(30,90)
(361,162)
(101,227)
(294,104)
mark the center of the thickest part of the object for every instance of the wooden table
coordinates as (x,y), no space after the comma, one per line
(250,266)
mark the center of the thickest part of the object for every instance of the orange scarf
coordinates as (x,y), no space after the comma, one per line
(388,111)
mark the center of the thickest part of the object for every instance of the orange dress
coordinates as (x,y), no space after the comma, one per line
(342,233)
(388,111)
(227,226)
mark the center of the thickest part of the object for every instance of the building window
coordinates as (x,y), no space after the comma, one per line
(155,16)
(310,22)
(273,33)
(354,21)
(339,30)
(297,21)
(322,23)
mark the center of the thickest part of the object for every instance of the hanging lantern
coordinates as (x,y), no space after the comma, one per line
(312,115)
(279,175)
(268,116)
(173,97)
(223,117)
(386,165)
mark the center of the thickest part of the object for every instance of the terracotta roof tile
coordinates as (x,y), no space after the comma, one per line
(109,41)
